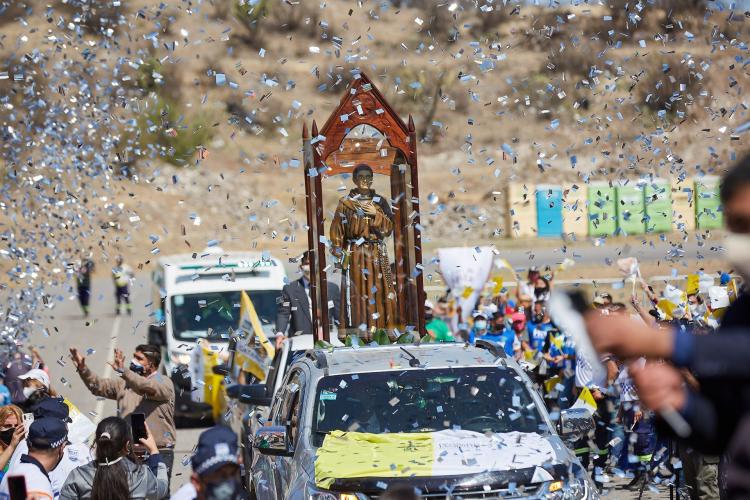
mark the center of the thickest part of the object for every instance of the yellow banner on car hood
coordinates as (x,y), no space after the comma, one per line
(348,455)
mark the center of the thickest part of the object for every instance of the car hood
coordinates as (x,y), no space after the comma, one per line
(458,460)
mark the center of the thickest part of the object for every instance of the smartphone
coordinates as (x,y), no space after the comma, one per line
(138,426)
(17,487)
(28,419)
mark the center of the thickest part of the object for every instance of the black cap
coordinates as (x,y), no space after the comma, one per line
(47,433)
(217,447)
(52,408)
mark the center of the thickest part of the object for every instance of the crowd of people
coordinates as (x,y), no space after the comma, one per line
(36,448)
(626,441)
(680,351)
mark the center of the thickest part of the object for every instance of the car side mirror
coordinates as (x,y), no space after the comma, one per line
(222,370)
(250,394)
(157,335)
(273,441)
(575,423)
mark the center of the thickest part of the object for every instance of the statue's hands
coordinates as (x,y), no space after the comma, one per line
(369,209)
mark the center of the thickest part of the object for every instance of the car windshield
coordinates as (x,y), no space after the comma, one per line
(492,399)
(214,315)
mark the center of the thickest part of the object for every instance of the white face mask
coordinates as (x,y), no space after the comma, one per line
(480,325)
(305,270)
(738,253)
(28,391)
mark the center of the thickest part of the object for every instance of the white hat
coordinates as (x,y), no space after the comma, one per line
(37,374)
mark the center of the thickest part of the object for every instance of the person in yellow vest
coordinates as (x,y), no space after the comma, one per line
(121,275)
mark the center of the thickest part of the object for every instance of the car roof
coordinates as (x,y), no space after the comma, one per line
(344,360)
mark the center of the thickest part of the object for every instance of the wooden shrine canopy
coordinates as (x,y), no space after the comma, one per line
(392,151)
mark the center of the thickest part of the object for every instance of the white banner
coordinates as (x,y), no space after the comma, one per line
(465,271)
(469,452)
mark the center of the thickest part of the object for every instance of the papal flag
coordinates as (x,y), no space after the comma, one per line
(585,400)
(254,352)
(352,455)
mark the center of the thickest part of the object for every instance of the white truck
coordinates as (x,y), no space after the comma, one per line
(197,296)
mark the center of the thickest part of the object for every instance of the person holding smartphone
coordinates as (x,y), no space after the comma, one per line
(115,473)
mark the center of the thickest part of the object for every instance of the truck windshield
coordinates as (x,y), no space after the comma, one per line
(476,399)
(212,315)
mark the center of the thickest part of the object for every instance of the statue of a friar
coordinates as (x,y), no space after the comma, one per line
(360,225)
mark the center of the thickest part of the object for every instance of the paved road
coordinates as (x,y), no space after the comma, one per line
(102,332)
(648,248)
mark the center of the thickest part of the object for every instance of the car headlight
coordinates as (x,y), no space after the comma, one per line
(573,489)
(181,358)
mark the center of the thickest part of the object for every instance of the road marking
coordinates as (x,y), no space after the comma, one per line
(107,368)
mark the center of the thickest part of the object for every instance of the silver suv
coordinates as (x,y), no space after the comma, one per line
(442,389)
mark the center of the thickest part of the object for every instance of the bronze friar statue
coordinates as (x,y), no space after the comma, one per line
(362,221)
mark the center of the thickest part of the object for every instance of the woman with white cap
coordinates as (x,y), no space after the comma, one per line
(36,386)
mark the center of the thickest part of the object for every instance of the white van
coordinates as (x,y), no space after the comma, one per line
(197,296)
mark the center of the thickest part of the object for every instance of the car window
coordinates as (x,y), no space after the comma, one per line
(274,370)
(477,399)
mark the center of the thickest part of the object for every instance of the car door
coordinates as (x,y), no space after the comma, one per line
(274,474)
(263,466)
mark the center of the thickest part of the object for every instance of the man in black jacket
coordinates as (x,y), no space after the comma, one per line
(294,315)
(718,414)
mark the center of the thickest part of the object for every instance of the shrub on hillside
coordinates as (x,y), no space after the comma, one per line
(672,85)
(95,16)
(165,132)
(249,13)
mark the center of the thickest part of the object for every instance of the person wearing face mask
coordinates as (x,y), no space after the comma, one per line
(294,316)
(480,326)
(504,335)
(12,433)
(113,474)
(697,308)
(216,468)
(74,455)
(718,413)
(538,328)
(436,327)
(36,387)
(46,444)
(138,388)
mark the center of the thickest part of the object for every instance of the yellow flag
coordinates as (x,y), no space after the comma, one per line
(666,307)
(503,264)
(498,285)
(585,400)
(251,359)
(733,290)
(467,292)
(550,384)
(692,284)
